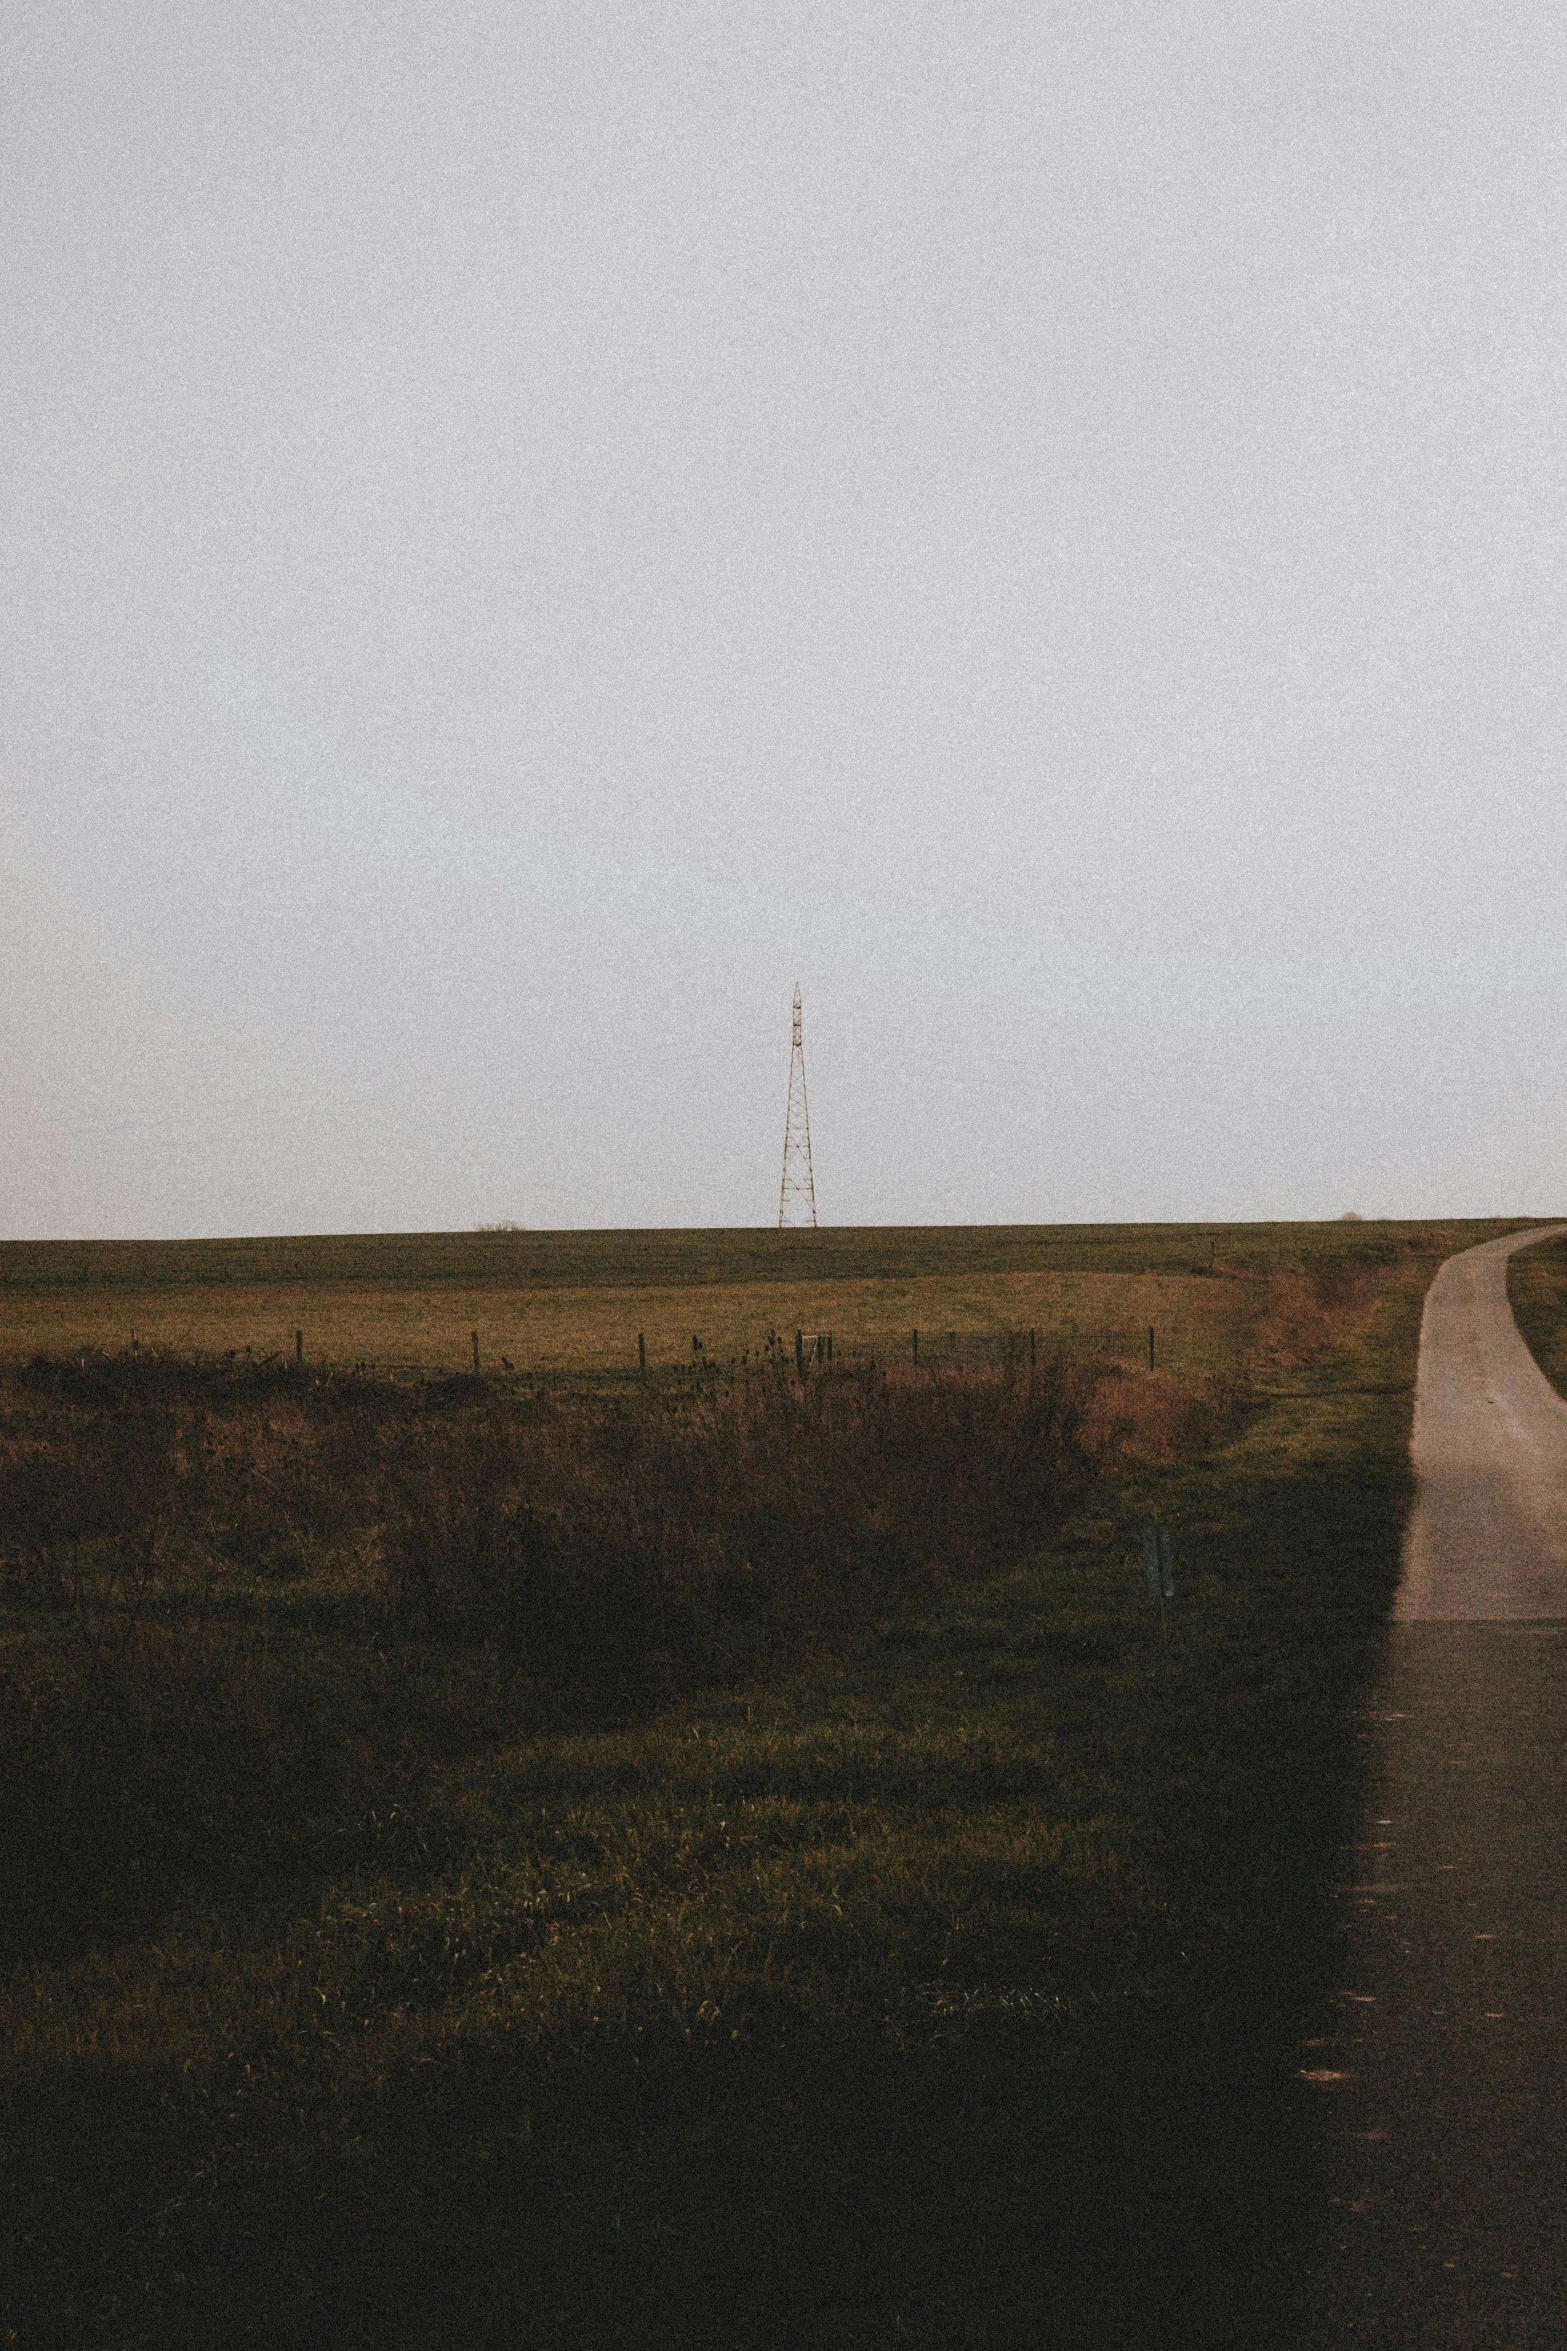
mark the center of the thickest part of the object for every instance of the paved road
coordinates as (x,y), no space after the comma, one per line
(1444,2078)
(1488,1536)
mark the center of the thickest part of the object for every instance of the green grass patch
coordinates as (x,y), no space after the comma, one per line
(677,1258)
(949,1994)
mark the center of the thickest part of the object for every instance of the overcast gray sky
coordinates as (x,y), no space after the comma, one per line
(530,528)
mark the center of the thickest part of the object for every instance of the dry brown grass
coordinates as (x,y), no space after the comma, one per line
(1200,1322)
(161,1523)
(488,1514)
(1305,1314)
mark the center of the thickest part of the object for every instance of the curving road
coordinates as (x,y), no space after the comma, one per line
(1443,2073)
(1487,1539)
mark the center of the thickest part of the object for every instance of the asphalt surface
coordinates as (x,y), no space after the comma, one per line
(1443,2074)
(1488,1535)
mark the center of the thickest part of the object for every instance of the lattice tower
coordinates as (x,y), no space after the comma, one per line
(797,1192)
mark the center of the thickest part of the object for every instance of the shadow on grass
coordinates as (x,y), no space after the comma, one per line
(1004,2103)
(825,2190)
(1133,2169)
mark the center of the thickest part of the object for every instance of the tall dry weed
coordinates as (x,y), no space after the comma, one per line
(171,1532)
(712,1524)
(1308,1311)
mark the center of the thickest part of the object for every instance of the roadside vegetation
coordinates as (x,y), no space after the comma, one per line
(740,1861)
(1537,1292)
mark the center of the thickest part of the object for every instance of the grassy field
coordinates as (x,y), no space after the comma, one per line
(577,1302)
(950,1993)
(422,1327)
(1537,1287)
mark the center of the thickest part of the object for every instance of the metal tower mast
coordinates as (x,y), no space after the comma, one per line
(797,1192)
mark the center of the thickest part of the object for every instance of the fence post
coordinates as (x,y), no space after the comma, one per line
(1150,1346)
(299,1346)
(799,1353)
(641,1356)
(474,1336)
(1033,1354)
(916,1350)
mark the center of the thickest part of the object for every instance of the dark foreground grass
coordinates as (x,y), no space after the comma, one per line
(949,1996)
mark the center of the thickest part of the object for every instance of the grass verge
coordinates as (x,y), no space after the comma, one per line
(948,1996)
(1537,1293)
